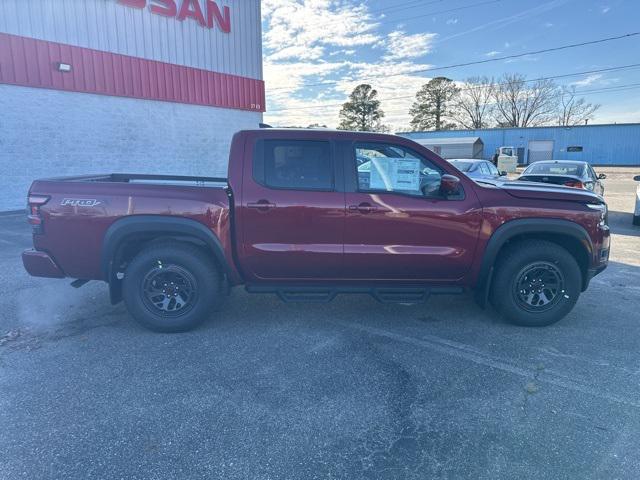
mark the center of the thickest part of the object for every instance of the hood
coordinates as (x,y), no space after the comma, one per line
(543,191)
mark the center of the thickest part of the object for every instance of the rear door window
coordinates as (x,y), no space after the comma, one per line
(294,164)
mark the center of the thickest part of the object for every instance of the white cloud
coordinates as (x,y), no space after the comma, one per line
(492,53)
(342,52)
(595,79)
(605,10)
(589,80)
(616,114)
(314,52)
(401,45)
(452,21)
(526,58)
(304,30)
(396,94)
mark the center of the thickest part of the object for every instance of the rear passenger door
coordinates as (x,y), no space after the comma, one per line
(293,211)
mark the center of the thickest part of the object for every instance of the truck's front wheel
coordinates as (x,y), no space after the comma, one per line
(171,287)
(536,283)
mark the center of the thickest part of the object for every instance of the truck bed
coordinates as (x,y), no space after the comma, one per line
(143,178)
(80,210)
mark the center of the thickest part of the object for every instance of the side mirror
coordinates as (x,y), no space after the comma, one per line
(637,178)
(602,176)
(503,173)
(449,185)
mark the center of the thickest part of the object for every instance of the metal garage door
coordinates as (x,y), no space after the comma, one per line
(540,150)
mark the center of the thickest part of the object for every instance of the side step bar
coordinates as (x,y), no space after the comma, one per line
(324,294)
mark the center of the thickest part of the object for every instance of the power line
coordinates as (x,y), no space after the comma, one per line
(450,10)
(614,89)
(479,62)
(402,97)
(393,10)
(405,6)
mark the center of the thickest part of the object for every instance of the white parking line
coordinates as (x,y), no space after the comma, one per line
(466,352)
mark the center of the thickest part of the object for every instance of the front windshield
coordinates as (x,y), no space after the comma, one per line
(555,169)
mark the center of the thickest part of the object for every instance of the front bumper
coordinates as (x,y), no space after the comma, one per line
(592,272)
(40,264)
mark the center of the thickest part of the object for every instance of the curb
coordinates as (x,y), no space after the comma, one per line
(12,213)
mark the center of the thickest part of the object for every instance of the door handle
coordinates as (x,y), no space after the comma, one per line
(364,207)
(262,205)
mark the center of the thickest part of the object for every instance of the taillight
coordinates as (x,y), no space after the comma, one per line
(573,184)
(34,218)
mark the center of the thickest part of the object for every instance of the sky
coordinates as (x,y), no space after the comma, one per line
(317,51)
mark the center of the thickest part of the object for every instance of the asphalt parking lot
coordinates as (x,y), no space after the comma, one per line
(351,389)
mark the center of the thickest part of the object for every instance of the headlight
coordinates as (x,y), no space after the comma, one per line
(604,212)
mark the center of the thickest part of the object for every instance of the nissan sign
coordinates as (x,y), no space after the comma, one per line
(206,13)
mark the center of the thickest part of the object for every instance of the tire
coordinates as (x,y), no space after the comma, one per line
(171,287)
(636,219)
(530,274)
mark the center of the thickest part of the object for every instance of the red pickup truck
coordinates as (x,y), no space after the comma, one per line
(308,214)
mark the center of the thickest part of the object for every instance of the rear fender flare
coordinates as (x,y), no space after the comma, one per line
(155,225)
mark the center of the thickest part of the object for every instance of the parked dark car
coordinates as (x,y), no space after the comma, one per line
(299,218)
(477,169)
(565,172)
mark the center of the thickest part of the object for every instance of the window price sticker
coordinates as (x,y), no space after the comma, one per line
(395,174)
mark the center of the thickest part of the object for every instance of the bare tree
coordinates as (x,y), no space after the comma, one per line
(474,106)
(573,110)
(522,105)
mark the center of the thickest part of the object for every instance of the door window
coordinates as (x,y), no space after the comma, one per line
(294,164)
(484,169)
(492,169)
(392,168)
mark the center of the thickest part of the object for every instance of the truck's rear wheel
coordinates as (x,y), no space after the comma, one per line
(536,283)
(171,287)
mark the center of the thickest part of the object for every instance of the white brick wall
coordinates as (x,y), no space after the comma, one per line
(46,133)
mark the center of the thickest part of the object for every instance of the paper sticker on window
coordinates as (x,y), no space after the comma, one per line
(395,174)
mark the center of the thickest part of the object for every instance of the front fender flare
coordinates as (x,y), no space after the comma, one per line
(514,228)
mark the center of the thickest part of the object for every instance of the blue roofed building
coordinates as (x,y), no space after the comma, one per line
(613,144)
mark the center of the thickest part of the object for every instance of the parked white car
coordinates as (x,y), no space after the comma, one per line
(636,211)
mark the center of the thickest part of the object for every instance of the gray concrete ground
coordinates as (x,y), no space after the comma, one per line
(352,389)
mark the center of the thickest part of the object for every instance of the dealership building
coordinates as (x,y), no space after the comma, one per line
(136,86)
(600,145)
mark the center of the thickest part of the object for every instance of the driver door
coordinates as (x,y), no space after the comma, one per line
(398,226)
